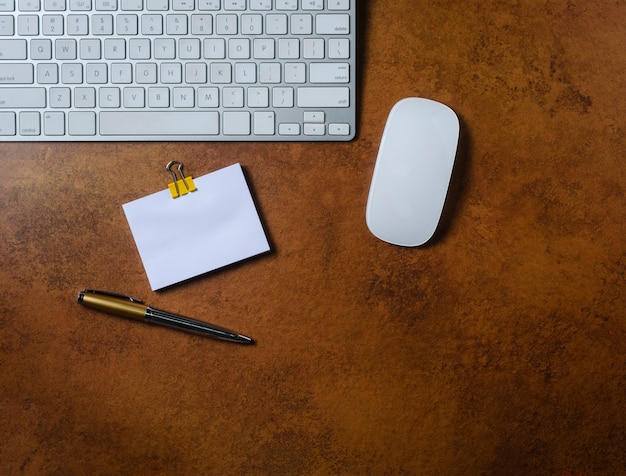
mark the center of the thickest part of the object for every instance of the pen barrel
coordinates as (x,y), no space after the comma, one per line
(112,305)
(182,323)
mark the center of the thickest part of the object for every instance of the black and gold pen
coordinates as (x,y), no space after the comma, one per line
(132,308)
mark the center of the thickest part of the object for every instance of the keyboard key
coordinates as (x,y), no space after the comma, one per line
(85,97)
(90,49)
(214,48)
(341,129)
(329,73)
(102,24)
(201,24)
(332,24)
(314,116)
(77,25)
(195,73)
(131,5)
(288,48)
(236,123)
(234,4)
(109,97)
(17,73)
(286,4)
(121,73)
(106,5)
(295,73)
(339,48)
(54,5)
(139,49)
(289,129)
(232,97)
(165,48)
(183,97)
(7,123)
(258,97)
(19,98)
(183,5)
(269,73)
(239,48)
(176,24)
(324,97)
(171,73)
(40,49)
(52,25)
(301,24)
(96,73)
(7,6)
(264,48)
(27,25)
(72,73)
(313,48)
(134,97)
(146,73)
(276,24)
(189,48)
(47,73)
(29,123)
(339,4)
(80,5)
(6,25)
(158,97)
(152,24)
(54,123)
(157,5)
(251,24)
(221,73)
(260,5)
(208,97)
(282,97)
(60,97)
(226,24)
(65,49)
(264,123)
(312,4)
(148,123)
(126,24)
(82,123)
(245,73)
(208,5)
(12,50)
(29,5)
(314,129)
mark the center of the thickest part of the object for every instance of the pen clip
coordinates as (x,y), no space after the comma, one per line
(115,295)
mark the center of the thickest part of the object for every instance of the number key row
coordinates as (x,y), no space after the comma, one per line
(173,24)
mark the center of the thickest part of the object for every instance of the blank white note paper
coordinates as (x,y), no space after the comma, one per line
(181,238)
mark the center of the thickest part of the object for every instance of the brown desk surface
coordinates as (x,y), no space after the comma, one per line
(498,349)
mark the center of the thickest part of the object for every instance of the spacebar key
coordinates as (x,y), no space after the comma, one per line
(148,123)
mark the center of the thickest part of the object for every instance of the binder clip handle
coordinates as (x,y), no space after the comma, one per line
(179,186)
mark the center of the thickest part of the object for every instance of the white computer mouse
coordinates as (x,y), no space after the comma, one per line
(412,172)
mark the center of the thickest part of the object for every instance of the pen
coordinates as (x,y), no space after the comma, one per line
(132,308)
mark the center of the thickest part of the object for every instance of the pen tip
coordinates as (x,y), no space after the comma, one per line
(245,340)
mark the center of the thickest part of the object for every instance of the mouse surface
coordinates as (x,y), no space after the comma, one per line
(412,172)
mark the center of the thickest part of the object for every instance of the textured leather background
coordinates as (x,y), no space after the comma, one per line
(499,349)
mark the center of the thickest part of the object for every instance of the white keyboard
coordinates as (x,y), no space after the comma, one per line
(182,70)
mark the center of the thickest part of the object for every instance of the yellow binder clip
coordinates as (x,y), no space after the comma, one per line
(180,186)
